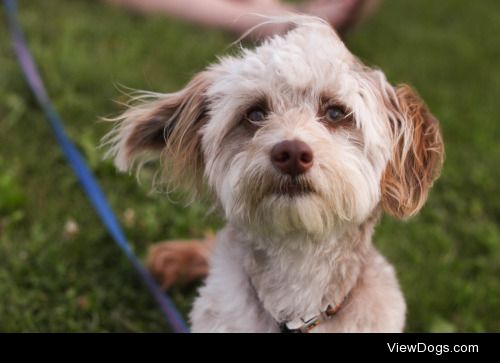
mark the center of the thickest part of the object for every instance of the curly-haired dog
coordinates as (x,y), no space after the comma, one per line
(303,147)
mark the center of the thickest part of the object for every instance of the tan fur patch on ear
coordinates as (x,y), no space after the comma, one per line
(165,126)
(182,155)
(417,159)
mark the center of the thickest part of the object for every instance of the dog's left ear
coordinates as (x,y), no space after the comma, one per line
(165,125)
(417,155)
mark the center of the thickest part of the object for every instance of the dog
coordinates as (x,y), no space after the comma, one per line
(303,148)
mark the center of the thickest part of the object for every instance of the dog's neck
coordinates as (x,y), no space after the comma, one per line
(302,278)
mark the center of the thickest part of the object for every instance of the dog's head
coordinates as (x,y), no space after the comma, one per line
(295,135)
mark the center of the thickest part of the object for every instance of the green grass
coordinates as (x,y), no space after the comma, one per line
(447,258)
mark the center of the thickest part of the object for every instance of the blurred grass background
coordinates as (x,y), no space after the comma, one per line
(60,271)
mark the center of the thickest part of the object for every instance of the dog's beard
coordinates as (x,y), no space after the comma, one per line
(277,205)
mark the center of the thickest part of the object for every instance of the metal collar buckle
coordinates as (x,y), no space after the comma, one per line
(302,325)
(305,325)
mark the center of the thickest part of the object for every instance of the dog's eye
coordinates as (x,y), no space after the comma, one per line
(256,114)
(335,114)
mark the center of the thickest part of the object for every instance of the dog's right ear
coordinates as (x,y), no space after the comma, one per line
(165,125)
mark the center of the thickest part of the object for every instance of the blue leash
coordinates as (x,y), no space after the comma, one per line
(81,170)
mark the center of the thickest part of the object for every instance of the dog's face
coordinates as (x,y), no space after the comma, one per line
(296,135)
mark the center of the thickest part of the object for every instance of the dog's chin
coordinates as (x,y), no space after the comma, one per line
(290,210)
(286,207)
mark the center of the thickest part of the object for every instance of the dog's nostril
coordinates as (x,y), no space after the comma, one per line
(282,156)
(306,156)
(292,157)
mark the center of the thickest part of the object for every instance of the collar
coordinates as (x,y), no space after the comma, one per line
(306,324)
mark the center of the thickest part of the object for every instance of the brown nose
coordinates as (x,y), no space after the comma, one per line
(292,157)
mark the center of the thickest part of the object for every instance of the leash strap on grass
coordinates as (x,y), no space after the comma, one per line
(81,170)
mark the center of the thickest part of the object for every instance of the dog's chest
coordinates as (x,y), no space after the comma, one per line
(292,284)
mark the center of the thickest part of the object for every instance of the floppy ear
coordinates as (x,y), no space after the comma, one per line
(165,125)
(417,156)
